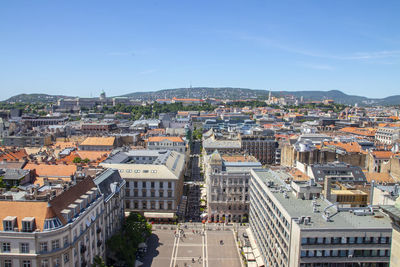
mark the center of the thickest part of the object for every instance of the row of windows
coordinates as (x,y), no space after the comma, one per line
(25,263)
(346,253)
(345,240)
(24,247)
(144,205)
(144,193)
(144,184)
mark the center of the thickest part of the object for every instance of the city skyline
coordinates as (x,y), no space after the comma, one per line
(80,48)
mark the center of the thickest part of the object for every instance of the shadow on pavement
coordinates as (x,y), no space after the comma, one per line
(152,252)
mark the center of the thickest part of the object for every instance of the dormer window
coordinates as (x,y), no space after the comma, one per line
(9,223)
(28,224)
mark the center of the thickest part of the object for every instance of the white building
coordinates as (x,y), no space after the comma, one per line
(60,226)
(227,178)
(387,135)
(293,225)
(174,143)
(154,181)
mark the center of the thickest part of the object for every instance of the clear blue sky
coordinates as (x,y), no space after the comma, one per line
(81,47)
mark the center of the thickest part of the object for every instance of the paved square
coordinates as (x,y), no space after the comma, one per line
(167,250)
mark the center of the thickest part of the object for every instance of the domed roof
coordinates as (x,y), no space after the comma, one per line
(215,157)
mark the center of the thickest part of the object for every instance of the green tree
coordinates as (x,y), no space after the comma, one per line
(125,243)
(77,160)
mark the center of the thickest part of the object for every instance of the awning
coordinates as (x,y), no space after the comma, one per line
(159,215)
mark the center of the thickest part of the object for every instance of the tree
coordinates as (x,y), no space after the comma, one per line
(86,160)
(77,160)
(98,262)
(125,243)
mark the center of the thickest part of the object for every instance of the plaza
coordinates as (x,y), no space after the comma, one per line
(169,247)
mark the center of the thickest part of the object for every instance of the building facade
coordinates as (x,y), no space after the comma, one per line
(227,181)
(62,226)
(293,226)
(154,181)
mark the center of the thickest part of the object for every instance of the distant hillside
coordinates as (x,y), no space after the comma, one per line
(201,92)
(244,93)
(34,98)
(229,93)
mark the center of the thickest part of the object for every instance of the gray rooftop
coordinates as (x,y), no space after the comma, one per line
(297,207)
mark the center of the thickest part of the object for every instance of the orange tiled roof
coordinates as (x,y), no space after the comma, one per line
(63,145)
(188,99)
(9,155)
(51,170)
(359,131)
(382,154)
(298,175)
(238,158)
(98,141)
(162,138)
(351,147)
(379,177)
(22,209)
(40,180)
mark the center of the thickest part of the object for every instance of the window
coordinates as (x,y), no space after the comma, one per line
(153,194)
(45,263)
(136,205)
(144,184)
(66,257)
(144,193)
(57,262)
(24,248)
(161,185)
(127,192)
(26,226)
(65,241)
(127,204)
(135,184)
(55,244)
(169,185)
(169,193)
(26,263)
(6,247)
(7,263)
(43,246)
(153,205)
(169,205)
(161,193)
(152,184)
(8,225)
(144,205)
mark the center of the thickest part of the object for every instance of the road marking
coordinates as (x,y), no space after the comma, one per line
(176,242)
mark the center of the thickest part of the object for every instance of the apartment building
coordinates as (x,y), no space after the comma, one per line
(227,178)
(261,145)
(154,181)
(174,143)
(64,225)
(98,143)
(294,225)
(27,141)
(387,135)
